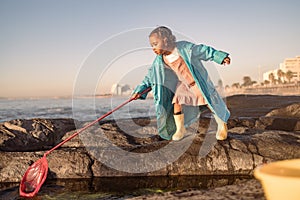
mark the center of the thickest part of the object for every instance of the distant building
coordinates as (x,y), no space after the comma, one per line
(119,89)
(289,64)
(293,65)
(115,89)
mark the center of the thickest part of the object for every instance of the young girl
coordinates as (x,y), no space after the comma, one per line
(180,84)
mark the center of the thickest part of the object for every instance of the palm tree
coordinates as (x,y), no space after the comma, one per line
(236,85)
(280,75)
(289,75)
(220,83)
(247,81)
(272,78)
(266,82)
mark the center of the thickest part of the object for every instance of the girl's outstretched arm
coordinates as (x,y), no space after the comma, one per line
(206,53)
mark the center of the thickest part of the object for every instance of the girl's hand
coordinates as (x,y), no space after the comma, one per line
(226,61)
(135,96)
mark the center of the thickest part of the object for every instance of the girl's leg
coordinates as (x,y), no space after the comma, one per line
(179,121)
(177,109)
(222,128)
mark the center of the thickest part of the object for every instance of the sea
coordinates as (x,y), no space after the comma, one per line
(82,109)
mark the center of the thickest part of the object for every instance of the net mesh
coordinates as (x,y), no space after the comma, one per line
(34,177)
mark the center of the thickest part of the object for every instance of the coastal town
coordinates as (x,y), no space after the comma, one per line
(283,80)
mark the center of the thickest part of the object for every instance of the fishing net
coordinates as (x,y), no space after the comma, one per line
(34,178)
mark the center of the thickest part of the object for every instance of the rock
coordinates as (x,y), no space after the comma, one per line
(285,118)
(14,127)
(14,164)
(73,143)
(278,123)
(33,134)
(290,111)
(258,105)
(241,122)
(239,154)
(124,148)
(71,163)
(272,144)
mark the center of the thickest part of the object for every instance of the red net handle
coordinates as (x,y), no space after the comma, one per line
(97,120)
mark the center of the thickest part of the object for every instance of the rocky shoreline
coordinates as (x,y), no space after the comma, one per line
(262,129)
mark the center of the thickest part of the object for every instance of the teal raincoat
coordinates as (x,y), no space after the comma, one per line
(163,82)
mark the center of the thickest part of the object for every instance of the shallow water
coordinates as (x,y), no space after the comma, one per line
(118,187)
(82,109)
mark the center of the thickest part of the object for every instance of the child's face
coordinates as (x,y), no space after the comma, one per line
(158,44)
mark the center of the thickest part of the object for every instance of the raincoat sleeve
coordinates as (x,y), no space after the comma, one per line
(146,83)
(206,53)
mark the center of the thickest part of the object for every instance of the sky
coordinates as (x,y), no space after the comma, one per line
(46,45)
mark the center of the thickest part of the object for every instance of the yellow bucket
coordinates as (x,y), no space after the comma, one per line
(280,180)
